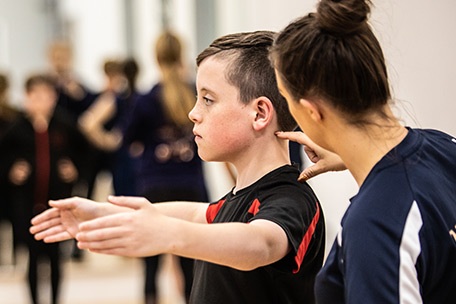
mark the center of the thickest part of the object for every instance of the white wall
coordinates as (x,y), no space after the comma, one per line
(146,27)
(23,34)
(419,41)
(97,33)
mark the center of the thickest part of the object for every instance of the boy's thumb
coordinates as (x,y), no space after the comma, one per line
(131,202)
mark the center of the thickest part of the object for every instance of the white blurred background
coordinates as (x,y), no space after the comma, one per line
(418,39)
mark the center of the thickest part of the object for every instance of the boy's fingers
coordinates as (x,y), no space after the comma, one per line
(100,238)
(63,236)
(45,216)
(55,234)
(67,203)
(108,221)
(41,226)
(131,202)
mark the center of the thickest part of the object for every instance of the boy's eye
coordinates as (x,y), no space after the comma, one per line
(207,101)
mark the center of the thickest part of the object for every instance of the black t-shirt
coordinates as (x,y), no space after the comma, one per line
(279,198)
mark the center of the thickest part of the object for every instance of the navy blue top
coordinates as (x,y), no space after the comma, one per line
(397,243)
(170,158)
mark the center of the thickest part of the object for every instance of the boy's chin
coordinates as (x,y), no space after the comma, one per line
(208,158)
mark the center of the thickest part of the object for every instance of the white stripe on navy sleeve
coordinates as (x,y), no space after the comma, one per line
(410,249)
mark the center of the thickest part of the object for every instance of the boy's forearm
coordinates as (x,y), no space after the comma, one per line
(188,211)
(238,245)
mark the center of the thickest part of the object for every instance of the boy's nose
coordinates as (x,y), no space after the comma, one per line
(192,114)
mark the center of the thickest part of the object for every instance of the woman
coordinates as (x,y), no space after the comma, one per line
(169,167)
(397,243)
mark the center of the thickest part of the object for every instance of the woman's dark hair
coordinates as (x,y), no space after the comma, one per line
(333,55)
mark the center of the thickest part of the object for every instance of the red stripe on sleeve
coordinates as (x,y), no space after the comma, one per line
(306,240)
(254,207)
(212,210)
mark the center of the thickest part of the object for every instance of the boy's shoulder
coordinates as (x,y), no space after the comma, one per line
(277,190)
(280,187)
(284,180)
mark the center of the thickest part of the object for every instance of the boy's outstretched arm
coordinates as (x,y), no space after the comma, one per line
(147,231)
(62,221)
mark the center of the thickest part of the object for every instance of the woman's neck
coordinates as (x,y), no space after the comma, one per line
(361,147)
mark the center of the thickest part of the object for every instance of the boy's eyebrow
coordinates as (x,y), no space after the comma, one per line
(206,90)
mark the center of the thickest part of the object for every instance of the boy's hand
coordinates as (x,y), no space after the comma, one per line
(323,160)
(134,234)
(62,221)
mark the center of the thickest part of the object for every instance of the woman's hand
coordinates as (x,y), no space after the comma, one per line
(323,160)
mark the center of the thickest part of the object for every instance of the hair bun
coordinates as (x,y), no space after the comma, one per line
(342,17)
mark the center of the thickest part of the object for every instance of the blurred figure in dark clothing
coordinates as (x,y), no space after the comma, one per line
(41,153)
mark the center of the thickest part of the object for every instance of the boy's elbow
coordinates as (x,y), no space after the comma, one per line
(262,257)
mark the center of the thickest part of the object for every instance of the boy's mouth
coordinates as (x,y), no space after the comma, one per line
(196,134)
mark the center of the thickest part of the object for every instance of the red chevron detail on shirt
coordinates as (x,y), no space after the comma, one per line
(212,210)
(306,240)
(255,207)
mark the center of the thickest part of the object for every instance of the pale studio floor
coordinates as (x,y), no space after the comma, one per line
(97,279)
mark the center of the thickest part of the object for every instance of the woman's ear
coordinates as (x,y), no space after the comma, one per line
(312,108)
(264,111)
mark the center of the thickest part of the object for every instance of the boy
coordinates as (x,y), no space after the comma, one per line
(261,243)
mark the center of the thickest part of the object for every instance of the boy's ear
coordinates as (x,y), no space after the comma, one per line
(312,108)
(264,111)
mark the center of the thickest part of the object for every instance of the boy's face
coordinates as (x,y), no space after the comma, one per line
(41,100)
(223,125)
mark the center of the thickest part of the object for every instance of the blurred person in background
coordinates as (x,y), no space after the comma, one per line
(170,168)
(105,122)
(75,98)
(72,94)
(8,113)
(41,153)
(95,119)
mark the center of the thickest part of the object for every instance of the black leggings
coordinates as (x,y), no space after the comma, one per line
(52,253)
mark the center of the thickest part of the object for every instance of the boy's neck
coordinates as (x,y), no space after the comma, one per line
(259,161)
